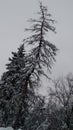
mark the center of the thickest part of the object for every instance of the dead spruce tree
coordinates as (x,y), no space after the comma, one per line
(42,55)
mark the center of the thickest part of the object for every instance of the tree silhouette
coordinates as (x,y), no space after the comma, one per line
(62,99)
(25,71)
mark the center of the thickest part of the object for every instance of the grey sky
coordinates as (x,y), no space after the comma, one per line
(13,19)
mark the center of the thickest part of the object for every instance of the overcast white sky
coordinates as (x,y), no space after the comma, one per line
(13,19)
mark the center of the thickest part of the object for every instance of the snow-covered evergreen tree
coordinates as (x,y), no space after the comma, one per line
(11,86)
(24,72)
(14,68)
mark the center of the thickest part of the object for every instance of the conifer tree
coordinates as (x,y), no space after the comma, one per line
(14,68)
(43,52)
(10,86)
(25,70)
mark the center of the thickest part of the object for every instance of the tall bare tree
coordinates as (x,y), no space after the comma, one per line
(62,98)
